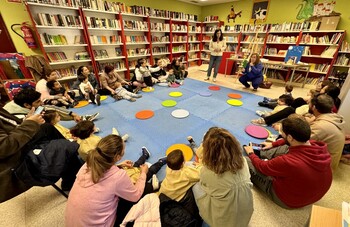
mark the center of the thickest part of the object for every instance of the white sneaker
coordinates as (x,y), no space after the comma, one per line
(125,137)
(214,79)
(155,182)
(260,113)
(115,132)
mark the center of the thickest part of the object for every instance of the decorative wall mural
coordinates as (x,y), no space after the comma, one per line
(259,12)
(233,15)
(306,9)
(323,8)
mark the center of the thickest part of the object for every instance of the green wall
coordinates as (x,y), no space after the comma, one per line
(279,11)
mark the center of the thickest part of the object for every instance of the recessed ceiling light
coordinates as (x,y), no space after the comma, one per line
(203,0)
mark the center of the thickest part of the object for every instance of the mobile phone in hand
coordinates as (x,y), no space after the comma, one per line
(39,110)
(257,145)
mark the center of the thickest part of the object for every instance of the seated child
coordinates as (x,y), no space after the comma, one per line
(83,134)
(172,78)
(122,93)
(87,90)
(179,177)
(64,98)
(143,74)
(52,117)
(133,170)
(282,102)
(272,103)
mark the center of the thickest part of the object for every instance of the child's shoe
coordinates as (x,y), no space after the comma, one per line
(145,152)
(125,137)
(155,182)
(115,131)
(97,130)
(162,160)
(181,82)
(138,96)
(261,113)
(98,99)
(132,100)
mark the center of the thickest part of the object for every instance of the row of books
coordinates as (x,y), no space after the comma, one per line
(192,28)
(179,48)
(211,18)
(160,38)
(308,39)
(94,22)
(251,38)
(281,39)
(209,28)
(192,38)
(343,59)
(100,54)
(205,55)
(345,47)
(56,56)
(160,27)
(329,51)
(137,51)
(53,39)
(133,63)
(136,39)
(66,72)
(160,50)
(207,37)
(295,26)
(135,25)
(47,19)
(179,28)
(119,65)
(179,38)
(102,39)
(83,55)
(232,47)
(66,3)
(192,46)
(319,67)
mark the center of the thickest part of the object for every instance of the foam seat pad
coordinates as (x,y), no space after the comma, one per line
(234,102)
(169,103)
(234,96)
(163,84)
(175,85)
(205,93)
(214,88)
(180,113)
(257,131)
(82,103)
(103,97)
(175,94)
(148,89)
(144,114)
(186,150)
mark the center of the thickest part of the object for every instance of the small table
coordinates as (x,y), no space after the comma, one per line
(289,67)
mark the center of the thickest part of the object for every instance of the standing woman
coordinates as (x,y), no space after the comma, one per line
(252,72)
(217,46)
(223,193)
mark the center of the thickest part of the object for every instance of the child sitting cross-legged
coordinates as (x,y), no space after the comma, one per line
(179,177)
(52,117)
(172,78)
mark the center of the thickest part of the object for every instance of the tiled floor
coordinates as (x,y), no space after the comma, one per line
(45,206)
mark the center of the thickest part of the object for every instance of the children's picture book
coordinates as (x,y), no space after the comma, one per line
(294,54)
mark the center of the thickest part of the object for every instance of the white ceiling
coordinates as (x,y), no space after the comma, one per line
(206,2)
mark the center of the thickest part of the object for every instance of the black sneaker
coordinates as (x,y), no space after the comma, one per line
(90,117)
(98,99)
(162,160)
(146,152)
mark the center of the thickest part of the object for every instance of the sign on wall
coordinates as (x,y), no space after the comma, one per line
(259,12)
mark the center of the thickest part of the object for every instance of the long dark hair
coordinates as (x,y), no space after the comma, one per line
(215,39)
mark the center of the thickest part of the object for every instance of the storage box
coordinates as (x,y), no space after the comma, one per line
(329,23)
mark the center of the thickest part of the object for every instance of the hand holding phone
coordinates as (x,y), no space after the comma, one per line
(258,145)
(39,110)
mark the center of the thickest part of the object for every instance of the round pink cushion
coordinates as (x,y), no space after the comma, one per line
(257,131)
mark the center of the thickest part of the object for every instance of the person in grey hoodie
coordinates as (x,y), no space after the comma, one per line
(328,127)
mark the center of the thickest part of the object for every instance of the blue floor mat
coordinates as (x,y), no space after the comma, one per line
(163,130)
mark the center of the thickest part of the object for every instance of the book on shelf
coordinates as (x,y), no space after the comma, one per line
(56,56)
(329,51)
(78,39)
(118,51)
(83,55)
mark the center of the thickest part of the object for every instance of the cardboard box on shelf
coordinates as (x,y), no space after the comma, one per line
(329,23)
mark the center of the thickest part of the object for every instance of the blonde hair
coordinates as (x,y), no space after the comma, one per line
(102,158)
(221,151)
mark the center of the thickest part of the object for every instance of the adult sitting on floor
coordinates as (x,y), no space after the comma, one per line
(32,154)
(296,175)
(28,98)
(109,79)
(84,70)
(328,127)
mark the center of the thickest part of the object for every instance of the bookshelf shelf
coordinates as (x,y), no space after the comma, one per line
(104,29)
(69,62)
(67,78)
(160,43)
(51,6)
(345,66)
(100,11)
(156,31)
(316,56)
(164,53)
(110,58)
(138,56)
(137,43)
(58,27)
(107,44)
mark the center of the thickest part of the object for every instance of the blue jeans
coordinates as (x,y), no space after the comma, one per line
(214,60)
